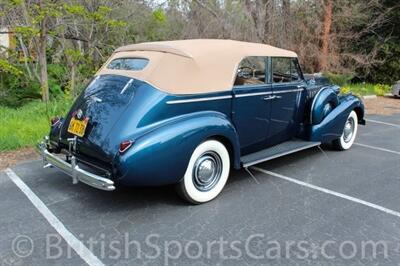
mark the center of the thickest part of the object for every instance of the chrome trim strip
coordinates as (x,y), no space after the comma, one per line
(192,100)
(252,94)
(313,103)
(74,170)
(199,99)
(265,93)
(126,86)
(287,91)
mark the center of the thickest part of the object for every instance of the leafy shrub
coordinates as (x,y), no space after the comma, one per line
(7,68)
(86,72)
(58,79)
(339,79)
(17,89)
(345,90)
(381,89)
(366,89)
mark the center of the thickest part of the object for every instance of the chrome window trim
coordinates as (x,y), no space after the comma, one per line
(251,86)
(252,94)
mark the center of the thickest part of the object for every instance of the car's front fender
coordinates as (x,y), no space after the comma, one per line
(331,127)
(161,156)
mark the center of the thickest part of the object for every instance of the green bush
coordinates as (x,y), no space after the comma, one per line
(58,79)
(366,89)
(381,89)
(16,90)
(339,79)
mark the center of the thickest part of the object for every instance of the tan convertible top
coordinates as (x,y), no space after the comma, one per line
(191,66)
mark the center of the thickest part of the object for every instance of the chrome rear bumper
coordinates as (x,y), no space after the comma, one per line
(72,169)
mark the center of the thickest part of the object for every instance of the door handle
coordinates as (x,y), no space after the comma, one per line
(267,98)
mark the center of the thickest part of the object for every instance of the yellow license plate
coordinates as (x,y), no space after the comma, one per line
(77,127)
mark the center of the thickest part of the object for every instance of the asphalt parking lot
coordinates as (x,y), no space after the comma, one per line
(317,206)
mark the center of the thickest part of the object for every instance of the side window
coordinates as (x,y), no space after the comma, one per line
(295,70)
(281,72)
(251,70)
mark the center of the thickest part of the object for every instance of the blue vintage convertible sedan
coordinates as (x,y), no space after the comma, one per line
(185,112)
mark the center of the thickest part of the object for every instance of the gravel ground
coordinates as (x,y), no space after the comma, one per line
(382,106)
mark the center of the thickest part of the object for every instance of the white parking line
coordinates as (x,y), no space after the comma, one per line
(72,241)
(383,123)
(376,148)
(330,192)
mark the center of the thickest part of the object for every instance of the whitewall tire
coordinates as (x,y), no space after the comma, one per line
(349,133)
(206,174)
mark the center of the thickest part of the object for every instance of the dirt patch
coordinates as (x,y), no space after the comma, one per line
(11,158)
(382,106)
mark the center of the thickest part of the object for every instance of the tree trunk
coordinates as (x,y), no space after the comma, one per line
(267,5)
(287,19)
(72,82)
(26,55)
(43,67)
(44,83)
(323,63)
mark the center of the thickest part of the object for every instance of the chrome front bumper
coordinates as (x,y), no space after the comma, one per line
(72,169)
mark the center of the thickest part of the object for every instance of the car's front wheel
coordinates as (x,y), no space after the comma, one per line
(206,174)
(349,133)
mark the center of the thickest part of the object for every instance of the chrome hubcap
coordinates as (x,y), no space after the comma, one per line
(348,130)
(207,171)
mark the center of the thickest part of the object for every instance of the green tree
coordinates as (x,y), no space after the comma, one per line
(34,24)
(389,36)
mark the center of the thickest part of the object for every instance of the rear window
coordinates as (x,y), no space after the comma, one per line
(134,64)
(113,85)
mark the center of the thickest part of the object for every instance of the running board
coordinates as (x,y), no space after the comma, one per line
(276,151)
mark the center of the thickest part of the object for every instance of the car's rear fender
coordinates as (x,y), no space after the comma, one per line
(161,156)
(331,127)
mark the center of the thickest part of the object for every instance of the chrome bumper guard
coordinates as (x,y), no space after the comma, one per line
(72,169)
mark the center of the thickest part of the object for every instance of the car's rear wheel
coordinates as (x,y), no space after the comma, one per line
(349,133)
(206,174)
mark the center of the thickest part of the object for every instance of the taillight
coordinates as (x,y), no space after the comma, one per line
(54,120)
(125,145)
